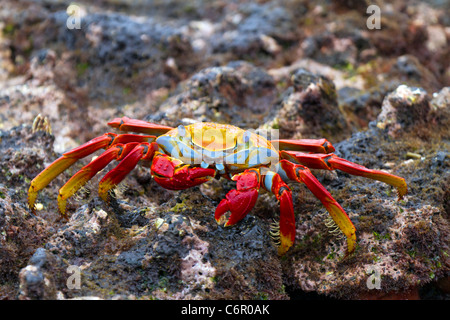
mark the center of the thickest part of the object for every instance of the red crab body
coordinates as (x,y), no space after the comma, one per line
(187,156)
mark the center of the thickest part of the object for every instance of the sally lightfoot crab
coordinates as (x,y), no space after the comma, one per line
(187,156)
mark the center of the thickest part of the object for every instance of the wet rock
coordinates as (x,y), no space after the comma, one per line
(237,93)
(49,91)
(440,111)
(400,35)
(180,254)
(255,28)
(409,70)
(26,101)
(87,226)
(329,49)
(105,45)
(20,232)
(39,279)
(406,109)
(362,106)
(309,109)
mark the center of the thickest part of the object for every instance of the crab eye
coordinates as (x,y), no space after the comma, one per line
(246,137)
(204,165)
(181,130)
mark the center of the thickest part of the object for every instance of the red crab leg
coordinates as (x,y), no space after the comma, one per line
(274,183)
(69,158)
(333,162)
(173,174)
(300,173)
(143,151)
(241,200)
(86,173)
(306,145)
(134,125)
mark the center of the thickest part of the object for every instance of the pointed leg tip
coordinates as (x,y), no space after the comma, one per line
(402,191)
(62,206)
(351,245)
(286,242)
(105,189)
(32,209)
(282,250)
(105,195)
(32,201)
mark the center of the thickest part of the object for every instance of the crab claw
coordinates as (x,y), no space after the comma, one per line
(241,200)
(172,174)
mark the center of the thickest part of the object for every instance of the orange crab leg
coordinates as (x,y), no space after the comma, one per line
(300,173)
(64,162)
(333,162)
(86,173)
(134,125)
(241,200)
(307,145)
(69,158)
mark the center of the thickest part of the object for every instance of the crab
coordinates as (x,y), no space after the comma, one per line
(187,156)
